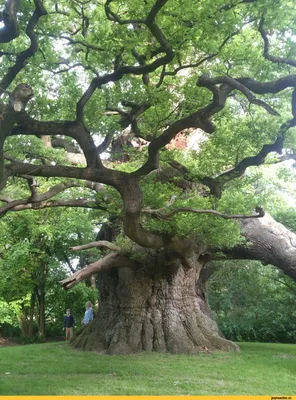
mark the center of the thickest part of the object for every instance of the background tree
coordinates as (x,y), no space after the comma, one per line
(82,79)
(253,303)
(32,260)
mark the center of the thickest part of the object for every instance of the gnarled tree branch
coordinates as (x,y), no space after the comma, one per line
(21,205)
(38,201)
(142,69)
(100,244)
(216,184)
(111,260)
(30,126)
(279,60)
(168,216)
(22,57)
(235,84)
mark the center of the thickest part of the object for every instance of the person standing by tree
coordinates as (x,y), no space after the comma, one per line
(89,314)
(69,323)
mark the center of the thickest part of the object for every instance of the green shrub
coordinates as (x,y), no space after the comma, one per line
(258,332)
(8,330)
(31,339)
(253,303)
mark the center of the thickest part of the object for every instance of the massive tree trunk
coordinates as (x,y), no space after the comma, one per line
(161,305)
(155,308)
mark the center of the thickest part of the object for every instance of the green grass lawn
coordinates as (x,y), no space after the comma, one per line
(56,369)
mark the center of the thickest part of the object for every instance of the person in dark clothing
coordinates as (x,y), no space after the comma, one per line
(69,323)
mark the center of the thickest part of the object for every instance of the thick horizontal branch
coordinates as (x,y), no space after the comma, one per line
(235,84)
(103,175)
(77,131)
(111,260)
(21,205)
(38,201)
(11,205)
(100,244)
(60,187)
(269,242)
(126,184)
(168,216)
(268,87)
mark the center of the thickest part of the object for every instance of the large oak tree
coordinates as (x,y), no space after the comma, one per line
(102,106)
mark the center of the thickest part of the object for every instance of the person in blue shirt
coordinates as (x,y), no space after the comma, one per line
(89,314)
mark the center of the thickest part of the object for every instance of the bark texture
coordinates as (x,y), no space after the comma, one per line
(270,242)
(152,309)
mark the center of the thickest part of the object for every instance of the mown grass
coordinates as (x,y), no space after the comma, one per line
(57,369)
